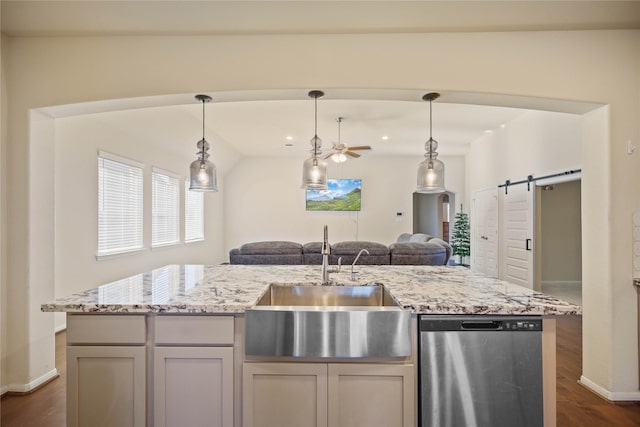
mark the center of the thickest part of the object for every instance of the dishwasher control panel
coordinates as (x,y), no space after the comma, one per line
(522,325)
(480,323)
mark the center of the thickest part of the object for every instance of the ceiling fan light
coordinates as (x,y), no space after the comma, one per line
(339,157)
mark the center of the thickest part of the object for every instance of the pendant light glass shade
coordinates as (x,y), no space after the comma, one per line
(203,172)
(431,177)
(431,170)
(314,174)
(314,169)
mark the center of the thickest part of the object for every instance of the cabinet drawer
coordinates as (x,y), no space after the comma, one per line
(106,329)
(204,330)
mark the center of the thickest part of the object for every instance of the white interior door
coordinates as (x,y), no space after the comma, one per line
(517,223)
(484,232)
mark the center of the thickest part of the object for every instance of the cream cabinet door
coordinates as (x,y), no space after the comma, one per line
(370,395)
(106,386)
(193,387)
(284,395)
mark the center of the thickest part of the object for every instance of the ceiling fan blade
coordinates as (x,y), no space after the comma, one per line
(352,154)
(328,155)
(359,147)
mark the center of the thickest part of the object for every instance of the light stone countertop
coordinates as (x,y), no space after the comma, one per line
(236,288)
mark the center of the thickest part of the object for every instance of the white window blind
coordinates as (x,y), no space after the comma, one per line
(165,215)
(119,205)
(193,214)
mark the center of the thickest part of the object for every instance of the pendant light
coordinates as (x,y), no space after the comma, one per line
(431,170)
(202,171)
(314,169)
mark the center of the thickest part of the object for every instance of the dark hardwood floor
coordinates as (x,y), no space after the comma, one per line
(45,407)
(577,406)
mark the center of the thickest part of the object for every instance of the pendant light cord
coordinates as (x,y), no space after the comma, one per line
(430,121)
(203,140)
(315,131)
(430,130)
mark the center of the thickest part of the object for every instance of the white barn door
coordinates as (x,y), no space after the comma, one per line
(484,232)
(518,219)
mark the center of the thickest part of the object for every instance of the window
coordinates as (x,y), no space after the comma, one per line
(165,214)
(193,214)
(119,205)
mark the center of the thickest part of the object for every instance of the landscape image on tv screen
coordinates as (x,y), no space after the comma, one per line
(340,195)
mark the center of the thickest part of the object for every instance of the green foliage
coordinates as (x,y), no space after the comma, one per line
(461,239)
(350,202)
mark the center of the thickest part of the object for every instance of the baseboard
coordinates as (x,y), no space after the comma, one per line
(60,328)
(620,397)
(31,386)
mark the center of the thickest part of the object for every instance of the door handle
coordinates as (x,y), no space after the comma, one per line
(527,244)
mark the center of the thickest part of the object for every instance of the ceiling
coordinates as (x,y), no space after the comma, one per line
(285,128)
(51,17)
(260,125)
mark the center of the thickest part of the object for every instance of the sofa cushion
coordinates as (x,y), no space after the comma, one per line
(312,248)
(271,248)
(420,237)
(378,253)
(312,253)
(404,237)
(353,247)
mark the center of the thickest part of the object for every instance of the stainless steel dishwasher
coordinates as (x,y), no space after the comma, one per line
(480,371)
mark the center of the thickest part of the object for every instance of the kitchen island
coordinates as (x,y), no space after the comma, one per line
(167,347)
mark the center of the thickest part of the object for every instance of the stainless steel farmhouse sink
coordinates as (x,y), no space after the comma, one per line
(327,296)
(327,322)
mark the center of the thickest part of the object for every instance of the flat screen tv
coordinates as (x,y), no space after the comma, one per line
(340,195)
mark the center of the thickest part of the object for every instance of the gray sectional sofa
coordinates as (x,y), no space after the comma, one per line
(409,249)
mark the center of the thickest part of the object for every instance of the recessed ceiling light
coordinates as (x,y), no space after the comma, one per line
(289,138)
(503,125)
(385,137)
(488,131)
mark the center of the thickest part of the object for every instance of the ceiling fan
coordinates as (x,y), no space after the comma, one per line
(340,151)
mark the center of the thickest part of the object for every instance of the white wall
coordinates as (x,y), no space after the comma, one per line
(77,142)
(537,143)
(264,200)
(537,65)
(561,240)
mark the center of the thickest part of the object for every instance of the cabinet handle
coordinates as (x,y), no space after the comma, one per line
(527,244)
